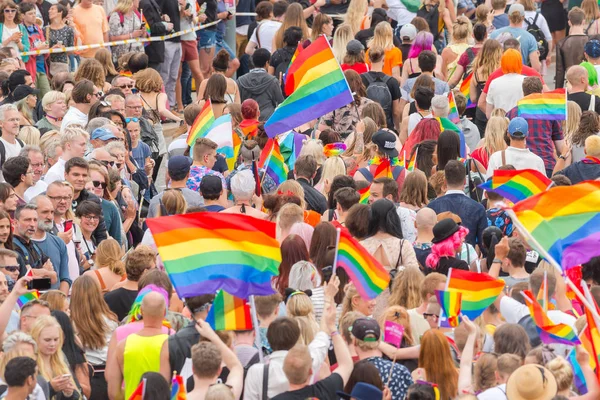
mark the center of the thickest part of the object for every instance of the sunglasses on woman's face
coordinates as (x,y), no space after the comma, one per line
(99,184)
(11,268)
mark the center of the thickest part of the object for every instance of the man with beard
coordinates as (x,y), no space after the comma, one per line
(51,245)
(36,161)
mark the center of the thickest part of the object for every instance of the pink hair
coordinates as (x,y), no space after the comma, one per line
(423,41)
(304,230)
(446,248)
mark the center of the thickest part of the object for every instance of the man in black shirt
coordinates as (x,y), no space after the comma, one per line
(577,76)
(305,170)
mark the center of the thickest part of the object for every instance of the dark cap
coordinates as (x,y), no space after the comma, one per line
(179,165)
(23,91)
(366,329)
(592,48)
(386,142)
(443,230)
(363,391)
(354,47)
(211,186)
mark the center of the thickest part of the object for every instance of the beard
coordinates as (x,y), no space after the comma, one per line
(46,226)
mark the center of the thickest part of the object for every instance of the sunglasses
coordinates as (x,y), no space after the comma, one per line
(11,268)
(99,184)
(9,11)
(98,94)
(128,120)
(128,86)
(426,315)
(107,163)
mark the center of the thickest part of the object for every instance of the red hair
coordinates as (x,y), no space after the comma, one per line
(250,109)
(446,248)
(435,358)
(426,129)
(512,62)
(293,249)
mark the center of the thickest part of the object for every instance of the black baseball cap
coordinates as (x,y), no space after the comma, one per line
(211,186)
(23,91)
(386,142)
(178,165)
(366,329)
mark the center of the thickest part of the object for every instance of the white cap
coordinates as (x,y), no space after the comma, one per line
(516,7)
(408,32)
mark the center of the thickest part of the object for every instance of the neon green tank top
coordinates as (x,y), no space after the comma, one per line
(142,354)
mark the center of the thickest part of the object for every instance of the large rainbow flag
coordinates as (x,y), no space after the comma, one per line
(590,337)
(205,252)
(548,330)
(315,84)
(202,123)
(478,290)
(544,106)
(139,392)
(229,313)
(517,185)
(564,221)
(369,277)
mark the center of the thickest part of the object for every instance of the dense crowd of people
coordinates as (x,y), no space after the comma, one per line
(94,142)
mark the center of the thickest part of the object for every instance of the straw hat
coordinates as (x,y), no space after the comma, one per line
(531,382)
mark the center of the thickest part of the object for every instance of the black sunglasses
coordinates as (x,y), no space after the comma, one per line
(99,184)
(106,163)
(11,268)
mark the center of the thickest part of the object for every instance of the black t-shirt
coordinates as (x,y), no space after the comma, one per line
(211,13)
(324,389)
(583,100)
(446,263)
(120,301)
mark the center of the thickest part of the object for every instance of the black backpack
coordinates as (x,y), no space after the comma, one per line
(282,67)
(539,37)
(379,92)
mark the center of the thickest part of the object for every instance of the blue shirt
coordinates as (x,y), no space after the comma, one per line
(500,21)
(140,153)
(528,43)
(53,247)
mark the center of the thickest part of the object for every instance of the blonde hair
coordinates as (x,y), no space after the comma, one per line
(461,29)
(332,167)
(294,16)
(300,309)
(488,59)
(350,292)
(313,147)
(562,371)
(406,290)
(9,355)
(30,135)
(56,299)
(148,81)
(219,391)
(400,316)
(288,215)
(25,110)
(495,131)
(109,254)
(370,129)
(343,34)
(571,125)
(104,56)
(123,6)
(383,36)
(590,9)
(52,97)
(355,14)
(48,138)
(346,323)
(70,133)
(484,373)
(528,5)
(293,187)
(174,202)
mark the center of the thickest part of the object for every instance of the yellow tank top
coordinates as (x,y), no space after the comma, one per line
(142,354)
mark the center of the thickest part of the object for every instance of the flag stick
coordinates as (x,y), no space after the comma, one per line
(545,294)
(391,370)
(254,316)
(337,244)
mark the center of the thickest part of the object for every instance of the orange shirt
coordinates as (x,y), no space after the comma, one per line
(92,25)
(392,58)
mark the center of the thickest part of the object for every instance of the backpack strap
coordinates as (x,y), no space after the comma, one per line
(2,153)
(503,155)
(369,78)
(537,14)
(366,173)
(265,382)
(589,26)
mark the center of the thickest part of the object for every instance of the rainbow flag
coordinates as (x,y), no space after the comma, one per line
(275,166)
(453,115)
(478,290)
(447,125)
(369,277)
(316,86)
(237,144)
(412,163)
(517,185)
(578,378)
(550,106)
(139,392)
(564,222)
(450,303)
(147,28)
(548,330)
(221,132)
(27,297)
(229,313)
(178,388)
(249,128)
(290,145)
(465,88)
(384,169)
(590,337)
(364,195)
(202,123)
(206,252)
(334,149)
(299,48)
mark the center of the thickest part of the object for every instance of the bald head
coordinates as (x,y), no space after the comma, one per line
(426,218)
(154,306)
(577,76)
(592,146)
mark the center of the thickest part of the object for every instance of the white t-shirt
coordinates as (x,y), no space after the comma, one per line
(8,32)
(11,150)
(495,393)
(56,172)
(73,116)
(39,188)
(540,22)
(518,158)
(399,13)
(266,30)
(505,91)
(71,253)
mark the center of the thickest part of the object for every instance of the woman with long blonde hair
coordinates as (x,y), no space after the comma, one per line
(332,167)
(571,125)
(294,16)
(592,16)
(493,140)
(486,62)
(300,309)
(383,36)
(105,57)
(110,268)
(95,324)
(436,364)
(51,360)
(353,301)
(356,16)
(462,32)
(343,34)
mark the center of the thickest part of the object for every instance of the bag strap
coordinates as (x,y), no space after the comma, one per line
(258,37)
(2,153)
(366,173)
(537,14)
(503,154)
(592,106)
(265,381)
(399,261)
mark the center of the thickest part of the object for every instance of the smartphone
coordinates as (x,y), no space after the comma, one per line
(66,376)
(39,284)
(68,225)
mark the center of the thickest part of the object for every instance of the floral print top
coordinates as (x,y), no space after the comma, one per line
(130,24)
(64,35)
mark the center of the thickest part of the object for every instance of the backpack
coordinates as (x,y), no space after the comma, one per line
(282,67)
(3,151)
(539,37)
(378,91)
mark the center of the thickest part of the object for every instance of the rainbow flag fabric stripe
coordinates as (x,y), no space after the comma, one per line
(316,86)
(450,303)
(334,149)
(205,252)
(275,165)
(178,388)
(548,330)
(517,185)
(27,297)
(364,193)
(229,313)
(465,88)
(139,392)
(453,115)
(564,221)
(369,277)
(384,169)
(447,125)
(202,123)
(550,106)
(478,290)
(291,145)
(412,163)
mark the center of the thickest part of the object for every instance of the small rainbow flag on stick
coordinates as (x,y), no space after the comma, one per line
(453,115)
(206,252)
(369,277)
(27,297)
(450,304)
(140,392)
(275,166)
(202,123)
(548,330)
(465,88)
(412,163)
(229,313)
(517,185)
(178,388)
(364,193)
(478,290)
(544,106)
